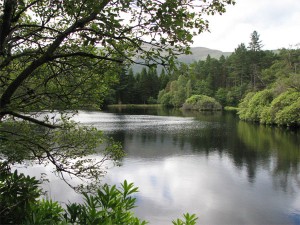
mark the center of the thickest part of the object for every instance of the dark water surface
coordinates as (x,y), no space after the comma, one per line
(224,170)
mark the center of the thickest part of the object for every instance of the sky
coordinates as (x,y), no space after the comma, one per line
(276,21)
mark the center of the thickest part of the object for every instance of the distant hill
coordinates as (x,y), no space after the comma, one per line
(198,53)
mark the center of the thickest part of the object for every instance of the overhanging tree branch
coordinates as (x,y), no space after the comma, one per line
(30,119)
(85,54)
(5,98)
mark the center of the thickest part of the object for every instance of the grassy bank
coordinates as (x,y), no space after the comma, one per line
(231,108)
(133,106)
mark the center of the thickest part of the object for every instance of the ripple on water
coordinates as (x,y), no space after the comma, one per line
(114,122)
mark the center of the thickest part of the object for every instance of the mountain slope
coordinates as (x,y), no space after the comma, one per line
(198,53)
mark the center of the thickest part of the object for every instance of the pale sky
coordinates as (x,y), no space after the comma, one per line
(276,21)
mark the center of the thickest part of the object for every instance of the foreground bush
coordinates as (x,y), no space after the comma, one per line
(20,204)
(202,103)
(17,192)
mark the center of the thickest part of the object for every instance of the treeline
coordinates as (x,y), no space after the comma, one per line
(139,88)
(232,81)
(263,85)
(225,79)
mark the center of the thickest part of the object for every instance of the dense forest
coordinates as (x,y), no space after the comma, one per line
(261,83)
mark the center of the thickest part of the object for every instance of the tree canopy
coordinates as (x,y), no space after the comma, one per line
(251,79)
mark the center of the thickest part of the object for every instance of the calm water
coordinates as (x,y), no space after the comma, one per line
(224,170)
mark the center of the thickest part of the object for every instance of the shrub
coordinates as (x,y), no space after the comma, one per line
(282,110)
(266,116)
(188,220)
(19,204)
(244,105)
(285,99)
(45,212)
(252,106)
(290,115)
(17,192)
(202,103)
(278,105)
(109,205)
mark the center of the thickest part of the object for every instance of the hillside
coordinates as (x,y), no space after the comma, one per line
(198,53)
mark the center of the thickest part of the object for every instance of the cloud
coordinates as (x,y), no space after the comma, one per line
(276,21)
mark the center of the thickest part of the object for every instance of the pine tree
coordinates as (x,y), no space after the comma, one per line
(255,43)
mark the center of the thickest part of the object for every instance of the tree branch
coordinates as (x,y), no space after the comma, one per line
(85,54)
(30,119)
(17,16)
(46,57)
(6,20)
(9,59)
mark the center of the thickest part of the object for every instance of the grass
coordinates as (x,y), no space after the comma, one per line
(231,108)
(133,106)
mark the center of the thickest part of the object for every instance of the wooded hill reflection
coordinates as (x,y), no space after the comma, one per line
(249,146)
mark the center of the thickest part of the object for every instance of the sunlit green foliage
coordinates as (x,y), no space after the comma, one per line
(274,111)
(177,94)
(264,108)
(202,103)
(252,107)
(279,102)
(289,115)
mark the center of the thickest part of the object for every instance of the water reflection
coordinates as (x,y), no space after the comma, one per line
(210,186)
(282,145)
(224,170)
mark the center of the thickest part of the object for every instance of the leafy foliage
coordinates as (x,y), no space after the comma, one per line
(264,85)
(289,115)
(70,149)
(281,106)
(188,220)
(252,107)
(20,204)
(202,103)
(45,212)
(247,69)
(179,90)
(109,206)
(17,193)
(264,108)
